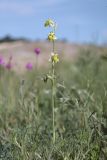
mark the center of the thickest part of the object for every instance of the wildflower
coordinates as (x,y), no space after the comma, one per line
(9,64)
(1,61)
(54,58)
(37,51)
(49,23)
(51,36)
(29,66)
(10,58)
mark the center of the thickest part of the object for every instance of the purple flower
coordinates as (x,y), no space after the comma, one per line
(10,58)
(37,51)
(29,66)
(9,64)
(1,61)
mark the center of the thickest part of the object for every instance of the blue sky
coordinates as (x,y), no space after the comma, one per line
(78,20)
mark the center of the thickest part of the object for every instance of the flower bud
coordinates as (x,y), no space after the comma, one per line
(49,23)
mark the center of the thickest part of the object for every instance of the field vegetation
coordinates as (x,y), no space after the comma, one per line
(80,108)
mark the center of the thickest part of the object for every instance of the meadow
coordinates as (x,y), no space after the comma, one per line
(80,110)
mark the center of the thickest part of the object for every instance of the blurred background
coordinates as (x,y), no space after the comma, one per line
(80,23)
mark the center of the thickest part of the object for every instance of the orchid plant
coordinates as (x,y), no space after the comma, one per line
(54,58)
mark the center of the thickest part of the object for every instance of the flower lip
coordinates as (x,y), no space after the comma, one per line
(54,58)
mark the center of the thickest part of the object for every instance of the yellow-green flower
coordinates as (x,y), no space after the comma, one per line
(51,36)
(54,58)
(49,23)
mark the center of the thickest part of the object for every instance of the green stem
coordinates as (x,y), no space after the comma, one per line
(37,94)
(53,46)
(37,62)
(53,102)
(53,95)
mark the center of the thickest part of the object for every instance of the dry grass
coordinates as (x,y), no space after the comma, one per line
(23,52)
